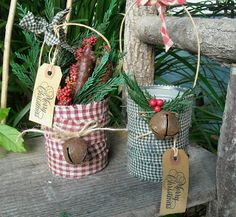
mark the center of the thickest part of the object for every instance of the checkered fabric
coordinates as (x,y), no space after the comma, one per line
(145,154)
(161,6)
(73,118)
(38,25)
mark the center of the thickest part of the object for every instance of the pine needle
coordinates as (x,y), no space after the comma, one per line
(142,97)
(26,72)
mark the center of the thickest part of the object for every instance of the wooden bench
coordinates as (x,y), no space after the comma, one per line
(29,189)
(217,38)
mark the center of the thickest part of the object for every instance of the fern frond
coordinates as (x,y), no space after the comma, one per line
(105,89)
(106,20)
(21,11)
(49,9)
(26,72)
(23,77)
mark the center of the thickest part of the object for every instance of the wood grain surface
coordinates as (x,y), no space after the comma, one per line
(28,189)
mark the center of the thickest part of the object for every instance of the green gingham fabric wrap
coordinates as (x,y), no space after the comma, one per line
(145,154)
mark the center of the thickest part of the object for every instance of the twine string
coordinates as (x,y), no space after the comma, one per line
(144,135)
(61,134)
(198,46)
(85,26)
(41,54)
(174,148)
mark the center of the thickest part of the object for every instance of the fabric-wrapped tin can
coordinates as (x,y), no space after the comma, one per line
(72,119)
(145,153)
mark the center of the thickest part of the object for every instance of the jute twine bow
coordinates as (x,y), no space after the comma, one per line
(176,150)
(39,25)
(161,7)
(61,134)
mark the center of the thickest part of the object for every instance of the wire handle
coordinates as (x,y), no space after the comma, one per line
(87,27)
(56,27)
(195,30)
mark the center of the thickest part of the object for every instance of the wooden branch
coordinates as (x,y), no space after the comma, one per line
(226,172)
(68,5)
(139,56)
(217,35)
(6,53)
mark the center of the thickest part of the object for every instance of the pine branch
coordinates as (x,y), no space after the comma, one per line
(27,70)
(23,77)
(179,103)
(136,94)
(21,11)
(105,89)
(106,20)
(142,97)
(49,9)
(92,82)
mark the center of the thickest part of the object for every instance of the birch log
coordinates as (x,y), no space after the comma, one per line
(6,53)
(139,56)
(217,35)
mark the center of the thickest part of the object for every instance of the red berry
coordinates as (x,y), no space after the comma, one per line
(157,109)
(152,102)
(160,102)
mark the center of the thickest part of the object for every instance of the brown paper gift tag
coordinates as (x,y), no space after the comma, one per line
(45,89)
(175,182)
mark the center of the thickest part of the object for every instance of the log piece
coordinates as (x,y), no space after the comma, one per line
(217,35)
(139,56)
(226,170)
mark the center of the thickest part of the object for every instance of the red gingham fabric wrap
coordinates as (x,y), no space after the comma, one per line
(161,6)
(73,118)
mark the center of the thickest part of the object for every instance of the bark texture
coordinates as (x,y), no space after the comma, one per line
(226,170)
(217,36)
(139,56)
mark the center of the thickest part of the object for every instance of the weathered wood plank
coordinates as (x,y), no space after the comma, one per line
(226,170)
(28,189)
(217,35)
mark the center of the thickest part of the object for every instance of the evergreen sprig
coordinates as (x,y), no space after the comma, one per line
(101,91)
(94,89)
(26,72)
(49,9)
(142,97)
(21,11)
(102,27)
(179,103)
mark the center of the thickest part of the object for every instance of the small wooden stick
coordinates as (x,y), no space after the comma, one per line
(6,53)
(68,5)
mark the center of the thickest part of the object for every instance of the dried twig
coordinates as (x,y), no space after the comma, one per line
(68,5)
(6,54)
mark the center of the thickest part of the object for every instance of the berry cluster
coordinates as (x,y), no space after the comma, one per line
(64,95)
(89,41)
(156,104)
(86,42)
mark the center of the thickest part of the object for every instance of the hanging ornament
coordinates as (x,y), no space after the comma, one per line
(161,114)
(75,150)
(164,125)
